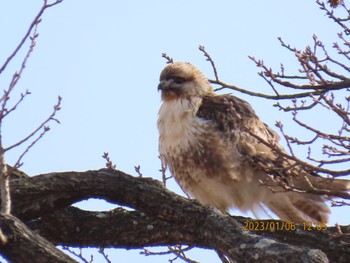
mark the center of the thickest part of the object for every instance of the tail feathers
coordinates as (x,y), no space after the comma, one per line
(298,208)
(329,183)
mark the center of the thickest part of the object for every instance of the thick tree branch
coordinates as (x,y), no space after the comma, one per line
(25,246)
(162,217)
(77,228)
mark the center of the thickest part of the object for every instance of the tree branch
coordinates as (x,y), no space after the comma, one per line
(37,249)
(35,22)
(162,217)
(77,228)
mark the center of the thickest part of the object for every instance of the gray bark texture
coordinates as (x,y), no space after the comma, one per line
(43,218)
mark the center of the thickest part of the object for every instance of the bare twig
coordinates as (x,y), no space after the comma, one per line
(163,170)
(109,163)
(56,108)
(177,250)
(168,58)
(34,24)
(261,95)
(78,254)
(331,15)
(206,54)
(101,250)
(14,107)
(19,163)
(340,203)
(138,170)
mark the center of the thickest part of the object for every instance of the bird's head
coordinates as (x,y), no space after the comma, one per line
(183,80)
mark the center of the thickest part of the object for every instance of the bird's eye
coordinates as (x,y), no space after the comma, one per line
(179,80)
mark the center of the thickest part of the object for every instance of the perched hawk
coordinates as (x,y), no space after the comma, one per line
(207,141)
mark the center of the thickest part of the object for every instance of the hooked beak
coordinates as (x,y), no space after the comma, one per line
(160,87)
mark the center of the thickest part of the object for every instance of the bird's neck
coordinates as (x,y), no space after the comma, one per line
(176,121)
(177,109)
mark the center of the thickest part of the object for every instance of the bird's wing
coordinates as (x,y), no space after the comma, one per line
(258,144)
(236,119)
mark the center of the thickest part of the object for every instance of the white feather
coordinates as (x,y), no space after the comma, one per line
(177,124)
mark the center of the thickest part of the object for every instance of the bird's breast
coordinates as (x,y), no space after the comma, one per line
(178,125)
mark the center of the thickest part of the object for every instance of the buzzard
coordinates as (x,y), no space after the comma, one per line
(213,146)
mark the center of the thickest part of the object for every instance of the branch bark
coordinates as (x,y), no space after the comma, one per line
(25,246)
(160,218)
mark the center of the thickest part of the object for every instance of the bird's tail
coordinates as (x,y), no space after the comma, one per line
(331,184)
(298,207)
(306,207)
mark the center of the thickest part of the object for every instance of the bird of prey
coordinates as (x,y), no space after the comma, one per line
(214,147)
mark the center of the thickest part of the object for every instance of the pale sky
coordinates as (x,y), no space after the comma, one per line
(104,59)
